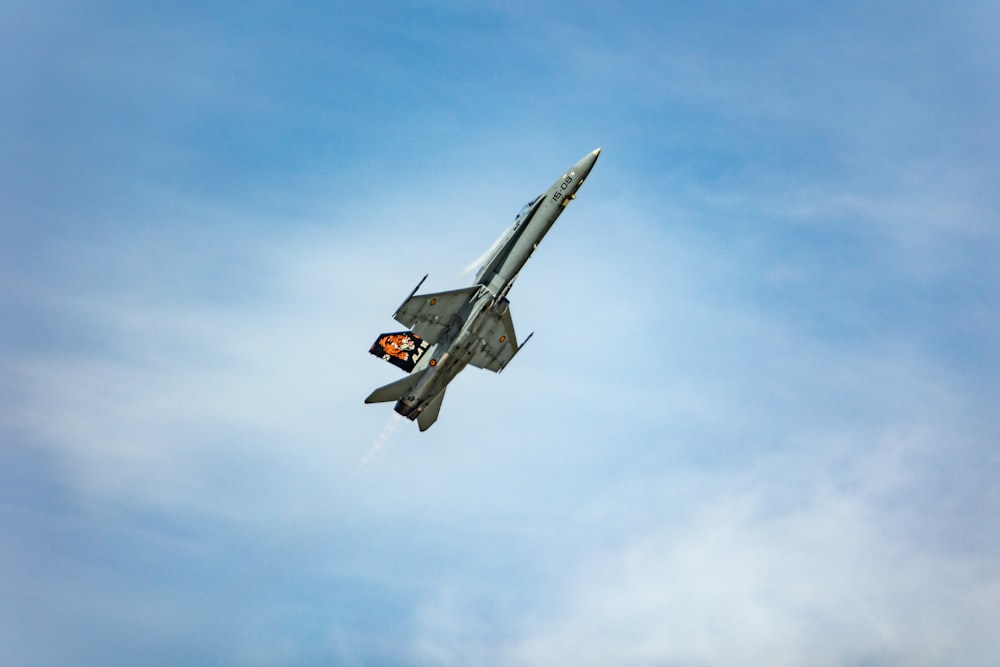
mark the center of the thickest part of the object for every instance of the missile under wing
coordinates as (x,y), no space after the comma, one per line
(472,325)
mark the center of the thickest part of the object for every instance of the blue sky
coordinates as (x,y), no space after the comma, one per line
(757,423)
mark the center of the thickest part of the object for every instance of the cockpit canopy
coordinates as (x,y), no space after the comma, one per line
(527,209)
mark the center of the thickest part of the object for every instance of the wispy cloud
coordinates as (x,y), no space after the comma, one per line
(755,424)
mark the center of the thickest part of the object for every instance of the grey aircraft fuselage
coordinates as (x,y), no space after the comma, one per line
(450,330)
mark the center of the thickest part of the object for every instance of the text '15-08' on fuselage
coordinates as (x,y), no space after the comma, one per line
(448,331)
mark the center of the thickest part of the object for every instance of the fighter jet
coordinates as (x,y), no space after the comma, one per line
(472,325)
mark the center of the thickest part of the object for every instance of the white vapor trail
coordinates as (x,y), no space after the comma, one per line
(479,261)
(383,437)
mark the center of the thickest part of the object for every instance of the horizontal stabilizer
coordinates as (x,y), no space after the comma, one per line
(402,349)
(394,390)
(429,414)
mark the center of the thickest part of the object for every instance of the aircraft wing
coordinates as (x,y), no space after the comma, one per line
(501,344)
(430,315)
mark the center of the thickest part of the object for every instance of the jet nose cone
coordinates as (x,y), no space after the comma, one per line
(587,163)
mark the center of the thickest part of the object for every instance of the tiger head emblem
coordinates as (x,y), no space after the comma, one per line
(398,346)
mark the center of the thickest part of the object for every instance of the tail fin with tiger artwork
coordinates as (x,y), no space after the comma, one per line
(402,349)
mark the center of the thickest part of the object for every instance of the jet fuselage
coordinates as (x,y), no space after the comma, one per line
(473,325)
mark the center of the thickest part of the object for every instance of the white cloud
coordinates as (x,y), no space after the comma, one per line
(747,430)
(823,583)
